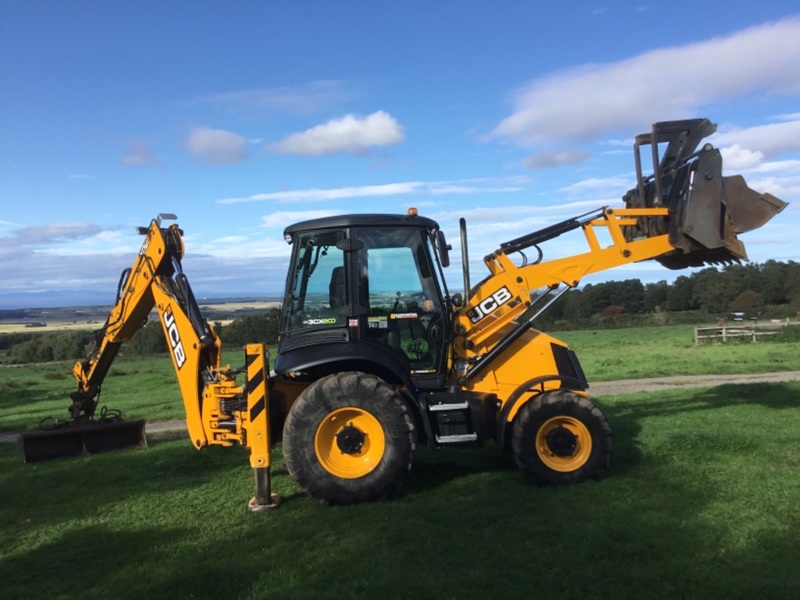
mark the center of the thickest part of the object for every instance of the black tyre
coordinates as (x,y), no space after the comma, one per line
(349,438)
(560,437)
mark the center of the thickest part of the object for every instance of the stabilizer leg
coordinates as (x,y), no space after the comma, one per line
(264,500)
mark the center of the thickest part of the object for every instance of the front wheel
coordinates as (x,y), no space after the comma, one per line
(560,437)
(348,438)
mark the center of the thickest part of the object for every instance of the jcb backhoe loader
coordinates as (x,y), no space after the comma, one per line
(376,355)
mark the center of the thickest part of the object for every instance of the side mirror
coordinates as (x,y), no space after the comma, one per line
(442,248)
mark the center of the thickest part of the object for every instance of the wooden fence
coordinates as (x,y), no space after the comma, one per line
(735,331)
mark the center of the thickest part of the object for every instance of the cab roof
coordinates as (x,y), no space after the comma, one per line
(361,220)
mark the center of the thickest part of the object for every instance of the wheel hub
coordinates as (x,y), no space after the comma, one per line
(562,442)
(350,440)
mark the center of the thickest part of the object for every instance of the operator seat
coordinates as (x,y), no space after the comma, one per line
(336,289)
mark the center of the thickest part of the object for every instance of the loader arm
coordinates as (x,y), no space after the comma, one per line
(510,290)
(685,214)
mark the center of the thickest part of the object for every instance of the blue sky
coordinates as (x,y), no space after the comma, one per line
(243,117)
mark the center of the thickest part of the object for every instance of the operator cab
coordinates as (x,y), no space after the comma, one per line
(365,292)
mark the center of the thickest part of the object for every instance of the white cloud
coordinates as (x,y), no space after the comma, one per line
(768,140)
(736,157)
(593,99)
(51,233)
(316,194)
(600,186)
(139,155)
(559,158)
(281,219)
(407,188)
(301,99)
(216,146)
(237,251)
(348,134)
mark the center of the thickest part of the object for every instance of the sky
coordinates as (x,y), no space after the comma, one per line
(243,117)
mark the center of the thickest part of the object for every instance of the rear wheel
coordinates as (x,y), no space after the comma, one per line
(348,438)
(560,437)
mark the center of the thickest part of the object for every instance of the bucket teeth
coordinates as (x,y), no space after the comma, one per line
(78,440)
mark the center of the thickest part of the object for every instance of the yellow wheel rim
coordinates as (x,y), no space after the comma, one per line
(349,443)
(563,444)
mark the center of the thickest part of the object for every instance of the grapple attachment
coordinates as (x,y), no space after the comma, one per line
(706,209)
(79,439)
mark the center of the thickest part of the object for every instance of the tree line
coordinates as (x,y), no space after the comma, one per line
(23,348)
(770,289)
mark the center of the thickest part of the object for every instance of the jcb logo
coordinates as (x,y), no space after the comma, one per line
(491,304)
(174,338)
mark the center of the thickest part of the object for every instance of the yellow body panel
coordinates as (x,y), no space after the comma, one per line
(527,358)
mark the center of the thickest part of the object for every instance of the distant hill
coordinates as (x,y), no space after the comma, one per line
(64,298)
(53,299)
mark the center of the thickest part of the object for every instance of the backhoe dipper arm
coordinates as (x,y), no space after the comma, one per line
(133,304)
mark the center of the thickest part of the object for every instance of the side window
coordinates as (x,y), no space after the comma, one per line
(402,297)
(316,290)
(393,279)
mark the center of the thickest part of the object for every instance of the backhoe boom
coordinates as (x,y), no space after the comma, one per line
(219,411)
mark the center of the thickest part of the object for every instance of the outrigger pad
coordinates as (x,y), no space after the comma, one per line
(78,440)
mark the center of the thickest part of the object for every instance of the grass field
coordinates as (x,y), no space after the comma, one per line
(700,501)
(145,387)
(608,355)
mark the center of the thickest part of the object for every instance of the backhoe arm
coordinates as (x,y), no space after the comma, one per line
(219,411)
(161,250)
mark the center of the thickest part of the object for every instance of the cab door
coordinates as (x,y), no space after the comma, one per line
(403,305)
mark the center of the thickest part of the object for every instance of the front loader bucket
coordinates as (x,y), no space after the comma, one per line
(706,209)
(81,439)
(711,212)
(747,208)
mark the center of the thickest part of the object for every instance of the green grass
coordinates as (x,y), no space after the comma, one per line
(146,387)
(142,387)
(612,354)
(701,501)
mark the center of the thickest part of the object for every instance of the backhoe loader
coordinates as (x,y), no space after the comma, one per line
(376,355)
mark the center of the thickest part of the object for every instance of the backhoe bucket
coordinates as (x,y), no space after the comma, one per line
(81,439)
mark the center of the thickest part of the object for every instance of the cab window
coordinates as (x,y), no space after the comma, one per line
(316,290)
(399,290)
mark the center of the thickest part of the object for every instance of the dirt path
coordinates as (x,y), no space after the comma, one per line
(601,388)
(654,384)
